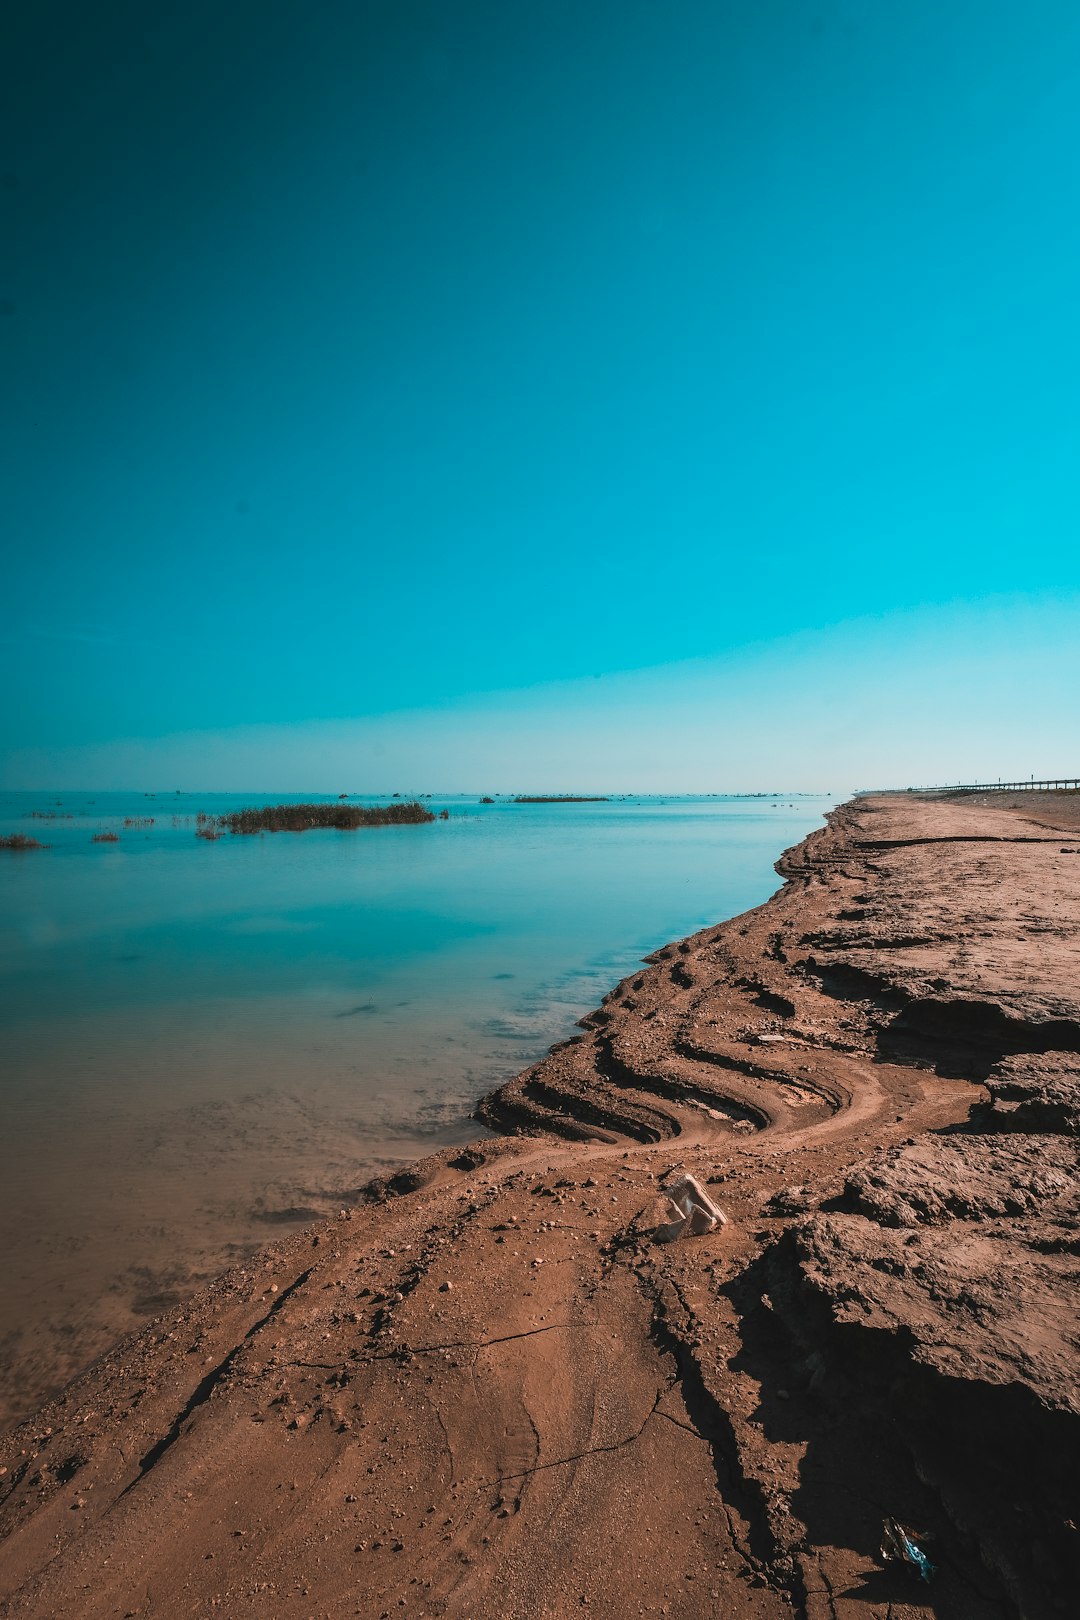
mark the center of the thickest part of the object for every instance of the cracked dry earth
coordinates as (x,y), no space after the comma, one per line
(485,1391)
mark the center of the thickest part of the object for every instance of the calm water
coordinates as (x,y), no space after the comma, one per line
(206,1041)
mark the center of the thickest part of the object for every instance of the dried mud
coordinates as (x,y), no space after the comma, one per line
(483,1390)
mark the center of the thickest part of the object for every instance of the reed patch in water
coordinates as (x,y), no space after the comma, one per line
(302,817)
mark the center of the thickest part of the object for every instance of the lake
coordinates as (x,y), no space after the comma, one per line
(205,1042)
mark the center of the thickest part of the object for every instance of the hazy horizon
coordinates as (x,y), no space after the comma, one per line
(861,706)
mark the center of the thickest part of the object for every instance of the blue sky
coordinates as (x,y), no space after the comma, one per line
(491,371)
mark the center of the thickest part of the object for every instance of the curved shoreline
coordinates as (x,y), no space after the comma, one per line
(486,1391)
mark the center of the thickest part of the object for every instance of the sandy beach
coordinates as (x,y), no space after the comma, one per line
(486,1390)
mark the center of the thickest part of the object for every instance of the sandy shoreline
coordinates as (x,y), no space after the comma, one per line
(486,1392)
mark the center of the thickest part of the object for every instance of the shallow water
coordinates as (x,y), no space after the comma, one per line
(206,1042)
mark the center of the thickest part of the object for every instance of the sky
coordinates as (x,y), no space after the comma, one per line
(505,395)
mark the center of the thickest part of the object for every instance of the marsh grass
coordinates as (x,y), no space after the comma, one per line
(301,817)
(20,841)
(560,798)
(105,838)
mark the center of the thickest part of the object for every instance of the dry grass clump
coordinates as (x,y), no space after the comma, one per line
(20,841)
(138,821)
(302,817)
(105,838)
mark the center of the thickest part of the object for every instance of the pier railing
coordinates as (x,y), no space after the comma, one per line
(1033,784)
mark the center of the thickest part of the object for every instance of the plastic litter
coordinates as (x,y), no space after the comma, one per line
(694,1211)
(898,1542)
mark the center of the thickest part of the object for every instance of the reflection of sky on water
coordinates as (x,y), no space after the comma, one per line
(328,917)
(345,961)
(344,964)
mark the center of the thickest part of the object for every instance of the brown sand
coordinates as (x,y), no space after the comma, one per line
(486,1392)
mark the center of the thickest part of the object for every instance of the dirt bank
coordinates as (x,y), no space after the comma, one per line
(484,1391)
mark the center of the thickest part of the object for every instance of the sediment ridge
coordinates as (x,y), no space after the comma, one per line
(485,1390)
